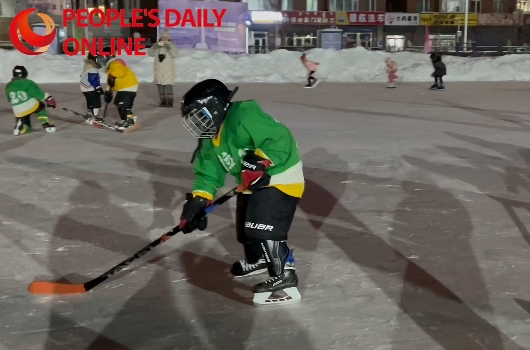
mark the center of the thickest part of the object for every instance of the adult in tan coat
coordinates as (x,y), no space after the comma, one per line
(165,54)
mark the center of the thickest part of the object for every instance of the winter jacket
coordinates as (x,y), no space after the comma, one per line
(90,77)
(125,78)
(391,66)
(439,67)
(165,70)
(310,65)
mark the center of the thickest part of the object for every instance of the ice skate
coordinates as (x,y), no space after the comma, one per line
(21,128)
(307,86)
(97,119)
(163,102)
(315,83)
(268,292)
(391,86)
(128,125)
(441,87)
(48,127)
(434,87)
(89,119)
(242,268)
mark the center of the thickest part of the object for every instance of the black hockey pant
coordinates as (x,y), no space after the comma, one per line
(124,101)
(263,220)
(93,102)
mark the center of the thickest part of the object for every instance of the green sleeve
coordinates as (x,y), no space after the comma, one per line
(209,173)
(35,91)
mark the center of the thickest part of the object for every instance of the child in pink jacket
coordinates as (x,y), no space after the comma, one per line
(311,67)
(391,69)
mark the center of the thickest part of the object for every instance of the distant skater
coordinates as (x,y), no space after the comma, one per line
(439,71)
(391,69)
(311,67)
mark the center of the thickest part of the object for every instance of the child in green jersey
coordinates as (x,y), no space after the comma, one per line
(240,139)
(27,98)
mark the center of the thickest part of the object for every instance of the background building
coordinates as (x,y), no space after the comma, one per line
(370,23)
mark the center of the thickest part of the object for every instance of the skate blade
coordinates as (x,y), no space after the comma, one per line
(292,297)
(131,129)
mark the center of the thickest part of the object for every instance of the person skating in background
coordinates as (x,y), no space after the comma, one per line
(91,86)
(27,98)
(122,80)
(391,69)
(311,67)
(165,54)
(439,71)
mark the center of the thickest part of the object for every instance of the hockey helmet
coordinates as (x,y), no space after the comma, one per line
(94,58)
(204,107)
(104,60)
(20,72)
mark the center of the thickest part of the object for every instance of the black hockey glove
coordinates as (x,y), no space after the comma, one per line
(100,91)
(193,215)
(108,96)
(253,172)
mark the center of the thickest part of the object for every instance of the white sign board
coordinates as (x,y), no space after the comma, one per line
(402,19)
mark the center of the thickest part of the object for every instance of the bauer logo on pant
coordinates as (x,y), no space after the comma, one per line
(259,226)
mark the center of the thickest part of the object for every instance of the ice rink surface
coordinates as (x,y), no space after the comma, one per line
(413,232)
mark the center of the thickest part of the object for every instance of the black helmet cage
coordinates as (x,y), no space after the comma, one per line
(203,117)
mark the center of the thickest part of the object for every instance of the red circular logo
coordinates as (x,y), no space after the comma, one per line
(20,29)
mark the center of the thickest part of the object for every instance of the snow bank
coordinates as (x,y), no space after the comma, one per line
(353,65)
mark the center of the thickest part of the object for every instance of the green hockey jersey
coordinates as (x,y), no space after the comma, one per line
(24,95)
(248,127)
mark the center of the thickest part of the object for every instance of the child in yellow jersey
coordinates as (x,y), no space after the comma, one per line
(122,80)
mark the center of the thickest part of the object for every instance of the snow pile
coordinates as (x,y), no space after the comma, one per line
(352,65)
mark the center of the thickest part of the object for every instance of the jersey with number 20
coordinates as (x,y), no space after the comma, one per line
(24,95)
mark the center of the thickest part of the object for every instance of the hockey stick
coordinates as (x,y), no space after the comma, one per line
(105,110)
(87,119)
(94,123)
(45,287)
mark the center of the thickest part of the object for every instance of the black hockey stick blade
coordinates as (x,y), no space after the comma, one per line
(46,287)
